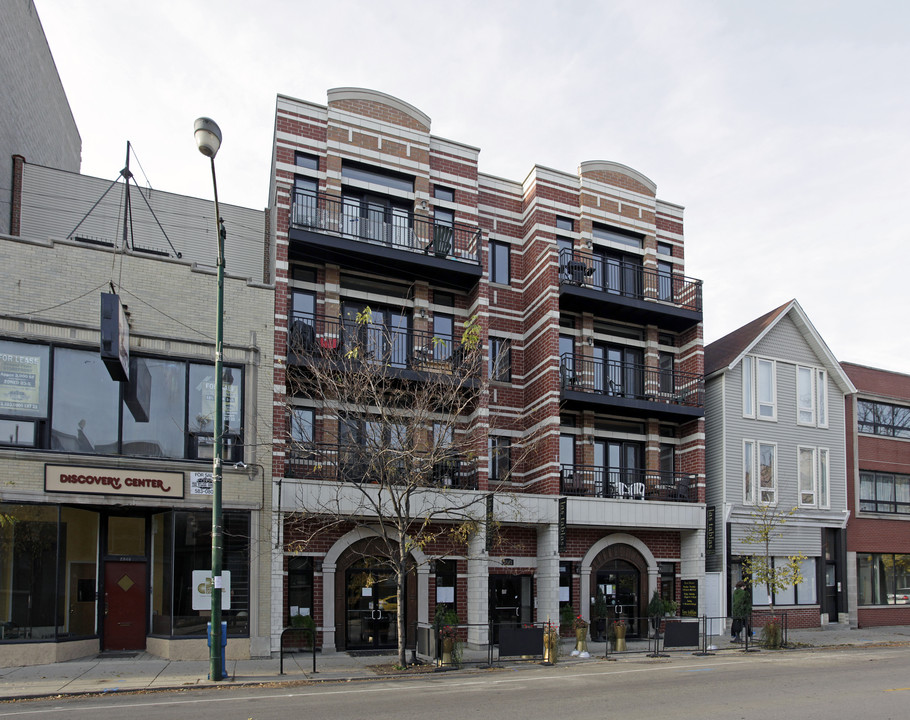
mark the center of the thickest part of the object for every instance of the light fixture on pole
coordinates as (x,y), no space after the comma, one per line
(208,140)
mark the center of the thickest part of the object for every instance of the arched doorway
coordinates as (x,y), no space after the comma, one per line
(619,576)
(366,600)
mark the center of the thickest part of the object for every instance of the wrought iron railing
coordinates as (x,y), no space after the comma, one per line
(631,380)
(627,483)
(626,279)
(319,336)
(401,229)
(354,463)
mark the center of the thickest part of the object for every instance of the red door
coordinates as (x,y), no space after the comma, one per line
(124,606)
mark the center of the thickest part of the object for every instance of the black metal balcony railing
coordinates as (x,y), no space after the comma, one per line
(628,380)
(344,463)
(626,279)
(316,335)
(627,484)
(384,226)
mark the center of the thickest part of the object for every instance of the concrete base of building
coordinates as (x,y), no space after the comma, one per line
(23,654)
(195,648)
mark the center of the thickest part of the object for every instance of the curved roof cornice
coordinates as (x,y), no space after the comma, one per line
(609,166)
(352,93)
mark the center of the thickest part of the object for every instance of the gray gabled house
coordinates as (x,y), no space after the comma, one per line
(774,434)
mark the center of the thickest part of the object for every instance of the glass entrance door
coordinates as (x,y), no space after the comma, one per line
(511,602)
(617,597)
(372,607)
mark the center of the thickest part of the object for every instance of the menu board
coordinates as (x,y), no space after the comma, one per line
(689,595)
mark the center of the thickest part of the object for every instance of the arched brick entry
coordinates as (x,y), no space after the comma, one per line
(623,558)
(353,556)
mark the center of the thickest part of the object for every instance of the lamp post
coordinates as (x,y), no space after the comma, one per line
(208,140)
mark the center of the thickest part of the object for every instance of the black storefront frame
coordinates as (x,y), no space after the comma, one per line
(104,512)
(44,424)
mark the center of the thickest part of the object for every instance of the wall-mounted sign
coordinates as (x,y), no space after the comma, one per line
(710,530)
(20,382)
(201,483)
(112,481)
(563,523)
(202,590)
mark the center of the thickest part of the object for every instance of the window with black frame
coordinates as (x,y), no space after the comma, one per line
(166,410)
(500,272)
(500,449)
(500,366)
(883,492)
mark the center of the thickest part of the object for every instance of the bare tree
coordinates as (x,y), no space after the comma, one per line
(396,447)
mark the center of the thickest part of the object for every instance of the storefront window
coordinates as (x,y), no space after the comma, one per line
(565,586)
(193,551)
(79,567)
(162,580)
(300,587)
(446,580)
(883,579)
(23,392)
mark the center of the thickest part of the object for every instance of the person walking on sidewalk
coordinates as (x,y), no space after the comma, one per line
(742,610)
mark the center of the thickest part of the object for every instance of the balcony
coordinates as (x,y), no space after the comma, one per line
(412,353)
(628,291)
(630,389)
(338,230)
(349,463)
(627,484)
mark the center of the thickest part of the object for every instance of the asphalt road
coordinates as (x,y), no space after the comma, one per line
(863,683)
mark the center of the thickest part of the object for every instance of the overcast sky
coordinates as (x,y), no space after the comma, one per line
(782,127)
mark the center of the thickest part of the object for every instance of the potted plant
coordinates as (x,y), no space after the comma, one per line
(448,636)
(551,643)
(580,625)
(619,633)
(656,610)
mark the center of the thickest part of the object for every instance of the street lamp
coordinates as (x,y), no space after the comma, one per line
(208,140)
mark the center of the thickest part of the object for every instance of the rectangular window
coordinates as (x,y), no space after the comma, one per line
(767,473)
(377,176)
(443,193)
(821,395)
(883,419)
(748,387)
(300,588)
(565,586)
(805,591)
(500,366)
(499,263)
(500,457)
(884,492)
(883,579)
(748,472)
(305,160)
(446,584)
(805,396)
(664,248)
(604,233)
(564,223)
(766,385)
(824,492)
(806,476)
(443,336)
(164,411)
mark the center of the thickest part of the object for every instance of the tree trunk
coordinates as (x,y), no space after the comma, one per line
(401,576)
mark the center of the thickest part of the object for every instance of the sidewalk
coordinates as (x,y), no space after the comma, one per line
(147,672)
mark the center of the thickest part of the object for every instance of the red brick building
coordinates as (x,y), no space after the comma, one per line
(593,372)
(878,487)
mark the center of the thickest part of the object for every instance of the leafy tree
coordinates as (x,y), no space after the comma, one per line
(767,524)
(398,443)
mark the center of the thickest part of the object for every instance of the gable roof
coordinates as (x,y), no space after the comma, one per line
(725,353)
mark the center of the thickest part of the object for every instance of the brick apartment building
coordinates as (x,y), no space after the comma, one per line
(878,489)
(593,373)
